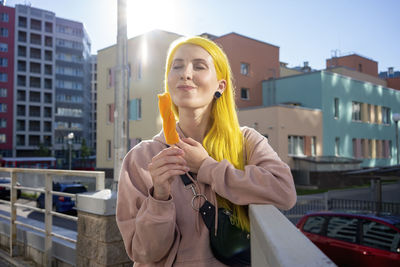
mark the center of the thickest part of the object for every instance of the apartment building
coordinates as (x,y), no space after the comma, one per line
(252,61)
(72,86)
(357,115)
(146,63)
(46,90)
(7,25)
(34,101)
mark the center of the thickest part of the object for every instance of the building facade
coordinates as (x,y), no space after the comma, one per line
(7,26)
(34,101)
(146,64)
(357,115)
(252,62)
(73,87)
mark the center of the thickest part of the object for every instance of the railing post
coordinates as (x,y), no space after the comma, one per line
(48,218)
(13,215)
(100,178)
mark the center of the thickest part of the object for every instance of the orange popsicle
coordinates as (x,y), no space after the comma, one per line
(169,123)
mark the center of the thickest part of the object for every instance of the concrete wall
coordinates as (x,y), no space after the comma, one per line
(278,122)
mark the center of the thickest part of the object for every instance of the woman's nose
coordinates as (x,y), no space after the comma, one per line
(186,73)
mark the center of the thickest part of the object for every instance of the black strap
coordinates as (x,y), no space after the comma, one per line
(185,179)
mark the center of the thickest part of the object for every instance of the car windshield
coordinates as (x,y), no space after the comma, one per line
(75,189)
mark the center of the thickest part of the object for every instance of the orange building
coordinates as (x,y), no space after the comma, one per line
(355,62)
(252,62)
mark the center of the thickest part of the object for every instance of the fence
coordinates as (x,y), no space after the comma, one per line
(306,204)
(48,193)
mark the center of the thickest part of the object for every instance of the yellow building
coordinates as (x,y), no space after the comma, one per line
(146,59)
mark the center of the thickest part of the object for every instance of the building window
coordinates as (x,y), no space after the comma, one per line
(337,146)
(313,146)
(4,32)
(3,47)
(244,94)
(3,77)
(110,78)
(2,138)
(296,145)
(109,149)
(385,115)
(3,107)
(3,62)
(359,67)
(3,92)
(3,123)
(336,108)
(110,109)
(4,17)
(356,111)
(244,69)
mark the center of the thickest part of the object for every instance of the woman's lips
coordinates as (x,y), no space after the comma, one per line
(185,87)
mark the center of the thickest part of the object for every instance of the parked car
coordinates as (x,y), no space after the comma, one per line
(61,203)
(355,239)
(5,191)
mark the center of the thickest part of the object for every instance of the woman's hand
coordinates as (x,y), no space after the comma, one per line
(195,153)
(165,165)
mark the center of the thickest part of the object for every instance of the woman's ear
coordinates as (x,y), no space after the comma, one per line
(221,86)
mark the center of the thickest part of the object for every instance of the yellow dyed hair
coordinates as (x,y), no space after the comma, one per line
(224,139)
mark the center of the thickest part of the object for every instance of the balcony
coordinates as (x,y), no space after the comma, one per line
(34,97)
(36,25)
(48,27)
(35,67)
(34,82)
(21,51)
(34,111)
(36,53)
(21,110)
(48,55)
(36,39)
(22,36)
(34,126)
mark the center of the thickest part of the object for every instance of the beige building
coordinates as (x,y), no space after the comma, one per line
(146,59)
(291,130)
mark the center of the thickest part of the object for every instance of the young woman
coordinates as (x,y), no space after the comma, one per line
(232,166)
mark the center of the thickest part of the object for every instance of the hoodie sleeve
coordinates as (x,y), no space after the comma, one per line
(148,226)
(266,179)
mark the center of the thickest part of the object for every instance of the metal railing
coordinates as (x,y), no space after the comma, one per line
(306,204)
(49,213)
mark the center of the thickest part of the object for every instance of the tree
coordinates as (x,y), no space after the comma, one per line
(43,150)
(85,150)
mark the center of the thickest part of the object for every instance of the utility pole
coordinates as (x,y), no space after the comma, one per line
(120,95)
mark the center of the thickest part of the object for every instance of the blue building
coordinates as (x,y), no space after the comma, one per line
(357,115)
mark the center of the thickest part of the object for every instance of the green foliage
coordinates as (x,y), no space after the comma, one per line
(43,150)
(85,150)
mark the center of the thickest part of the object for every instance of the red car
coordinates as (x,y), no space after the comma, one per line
(355,239)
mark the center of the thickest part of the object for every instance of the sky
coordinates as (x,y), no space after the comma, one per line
(305,30)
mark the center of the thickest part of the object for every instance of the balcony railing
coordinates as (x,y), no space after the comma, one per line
(48,193)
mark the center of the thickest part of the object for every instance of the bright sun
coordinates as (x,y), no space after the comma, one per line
(147,15)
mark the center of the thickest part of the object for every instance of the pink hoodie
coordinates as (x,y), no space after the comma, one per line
(164,233)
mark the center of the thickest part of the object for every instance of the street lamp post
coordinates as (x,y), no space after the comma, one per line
(396,118)
(70,138)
